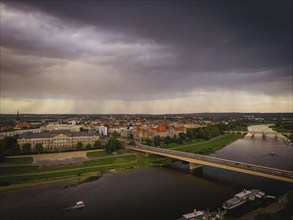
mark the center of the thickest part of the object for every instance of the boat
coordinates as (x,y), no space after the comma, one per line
(270,197)
(272,153)
(79,205)
(238,199)
(195,215)
(204,215)
(242,197)
(260,194)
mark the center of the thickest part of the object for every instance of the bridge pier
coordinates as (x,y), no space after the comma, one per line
(195,168)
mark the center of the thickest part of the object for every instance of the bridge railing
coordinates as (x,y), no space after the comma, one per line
(231,163)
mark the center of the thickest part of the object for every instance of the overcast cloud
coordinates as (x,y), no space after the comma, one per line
(146,57)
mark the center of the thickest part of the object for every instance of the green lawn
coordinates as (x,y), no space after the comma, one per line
(104,153)
(18,170)
(211,146)
(130,163)
(19,160)
(240,128)
(281,129)
(14,170)
(110,160)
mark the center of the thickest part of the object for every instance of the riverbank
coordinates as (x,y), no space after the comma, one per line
(28,176)
(16,177)
(276,210)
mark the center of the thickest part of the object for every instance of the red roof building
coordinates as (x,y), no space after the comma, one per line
(23,125)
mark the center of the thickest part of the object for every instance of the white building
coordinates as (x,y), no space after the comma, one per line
(102,130)
(57,140)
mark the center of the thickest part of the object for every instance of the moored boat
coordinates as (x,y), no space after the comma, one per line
(238,199)
(242,197)
(204,215)
(260,194)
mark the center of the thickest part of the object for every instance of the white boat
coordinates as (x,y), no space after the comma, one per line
(204,215)
(198,215)
(238,199)
(79,205)
(260,194)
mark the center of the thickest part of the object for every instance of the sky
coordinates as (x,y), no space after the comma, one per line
(154,57)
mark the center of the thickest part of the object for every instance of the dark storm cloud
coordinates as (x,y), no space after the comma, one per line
(230,34)
(145,50)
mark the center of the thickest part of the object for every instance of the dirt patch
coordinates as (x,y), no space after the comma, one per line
(59,158)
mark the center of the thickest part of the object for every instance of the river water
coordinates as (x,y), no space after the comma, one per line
(156,193)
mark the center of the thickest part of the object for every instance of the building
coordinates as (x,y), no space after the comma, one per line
(103,130)
(125,132)
(56,127)
(140,133)
(58,139)
(18,132)
(21,125)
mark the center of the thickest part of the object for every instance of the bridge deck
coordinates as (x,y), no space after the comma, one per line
(268,172)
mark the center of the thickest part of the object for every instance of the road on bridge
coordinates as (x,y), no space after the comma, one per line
(268,172)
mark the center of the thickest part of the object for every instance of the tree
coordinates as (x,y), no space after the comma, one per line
(115,134)
(88,147)
(9,146)
(2,154)
(179,141)
(157,140)
(167,140)
(113,144)
(27,148)
(39,148)
(190,133)
(97,144)
(132,143)
(79,146)
(182,136)
(148,142)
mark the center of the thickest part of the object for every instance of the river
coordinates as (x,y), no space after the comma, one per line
(155,193)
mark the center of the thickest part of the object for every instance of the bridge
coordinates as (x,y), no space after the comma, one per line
(197,160)
(282,135)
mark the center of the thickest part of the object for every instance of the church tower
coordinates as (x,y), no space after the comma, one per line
(17,116)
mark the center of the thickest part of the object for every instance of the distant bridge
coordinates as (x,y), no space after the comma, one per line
(197,160)
(264,134)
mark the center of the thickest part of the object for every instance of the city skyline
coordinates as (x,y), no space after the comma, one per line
(146,57)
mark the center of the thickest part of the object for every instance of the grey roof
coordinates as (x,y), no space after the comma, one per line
(55,132)
(30,135)
(83,133)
